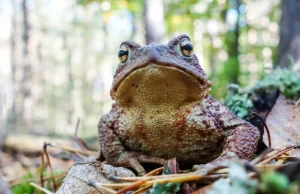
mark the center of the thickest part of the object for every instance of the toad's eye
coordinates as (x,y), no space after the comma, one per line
(123,53)
(186,48)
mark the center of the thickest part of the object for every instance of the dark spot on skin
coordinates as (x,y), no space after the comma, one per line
(217,108)
(207,125)
(140,127)
(129,101)
(180,123)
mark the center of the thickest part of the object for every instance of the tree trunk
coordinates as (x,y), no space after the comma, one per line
(14,64)
(26,83)
(154,21)
(289,44)
(232,68)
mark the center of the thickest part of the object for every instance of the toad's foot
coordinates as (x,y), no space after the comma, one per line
(134,160)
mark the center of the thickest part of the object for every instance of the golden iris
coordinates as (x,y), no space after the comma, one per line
(123,53)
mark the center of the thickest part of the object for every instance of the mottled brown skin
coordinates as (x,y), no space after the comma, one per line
(163,110)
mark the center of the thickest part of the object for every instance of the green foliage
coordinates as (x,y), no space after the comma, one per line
(284,80)
(238,182)
(167,188)
(24,187)
(237,101)
(274,183)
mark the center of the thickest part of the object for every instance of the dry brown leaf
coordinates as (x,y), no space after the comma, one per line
(80,174)
(284,125)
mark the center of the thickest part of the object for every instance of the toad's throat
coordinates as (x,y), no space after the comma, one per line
(159,85)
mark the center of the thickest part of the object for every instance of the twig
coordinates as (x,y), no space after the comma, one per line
(117,178)
(81,143)
(113,185)
(142,189)
(43,166)
(41,188)
(108,190)
(275,153)
(75,150)
(51,170)
(154,172)
(261,156)
(266,126)
(131,187)
(175,179)
(77,126)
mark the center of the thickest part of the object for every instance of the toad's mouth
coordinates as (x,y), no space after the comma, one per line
(156,84)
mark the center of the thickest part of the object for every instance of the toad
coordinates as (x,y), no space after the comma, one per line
(163,110)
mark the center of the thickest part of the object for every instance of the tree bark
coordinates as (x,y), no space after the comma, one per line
(26,83)
(289,44)
(154,21)
(12,120)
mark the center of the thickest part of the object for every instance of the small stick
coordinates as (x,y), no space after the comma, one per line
(77,126)
(281,160)
(266,126)
(261,156)
(41,188)
(270,156)
(267,167)
(113,185)
(175,179)
(108,190)
(287,157)
(115,178)
(142,189)
(51,170)
(155,171)
(43,166)
(75,150)
(131,187)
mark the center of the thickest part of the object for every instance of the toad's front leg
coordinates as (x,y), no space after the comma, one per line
(241,140)
(241,144)
(115,153)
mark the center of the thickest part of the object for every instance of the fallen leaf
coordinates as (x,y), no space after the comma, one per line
(284,125)
(79,176)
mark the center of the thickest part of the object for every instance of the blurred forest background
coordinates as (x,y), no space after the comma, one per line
(57,58)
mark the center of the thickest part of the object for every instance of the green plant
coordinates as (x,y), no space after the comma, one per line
(237,101)
(284,80)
